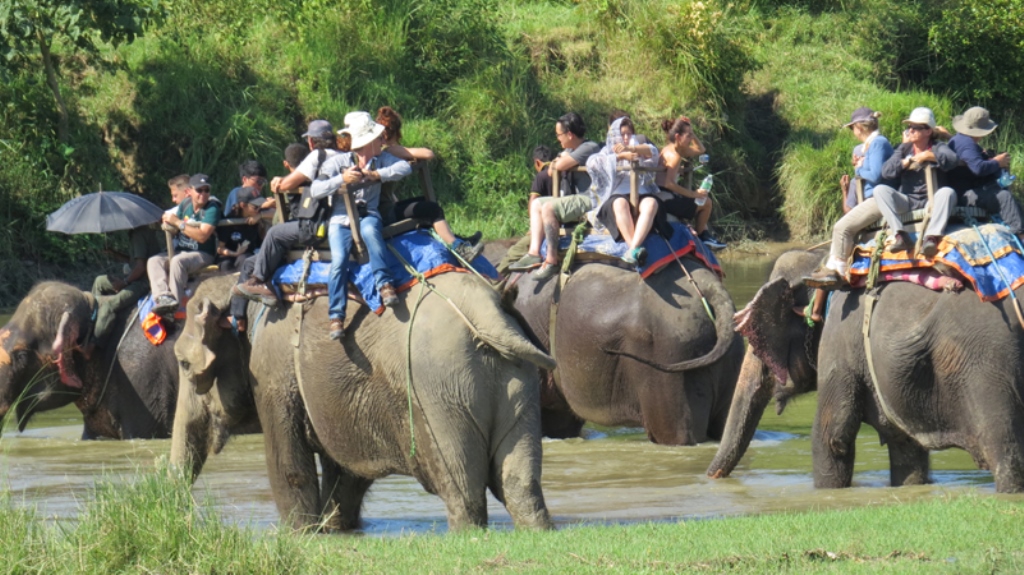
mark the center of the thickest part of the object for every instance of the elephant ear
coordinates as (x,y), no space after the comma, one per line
(63,346)
(764,322)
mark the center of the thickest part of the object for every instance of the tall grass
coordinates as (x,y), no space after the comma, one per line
(149,523)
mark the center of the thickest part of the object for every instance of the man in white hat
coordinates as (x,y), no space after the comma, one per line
(976,178)
(362,171)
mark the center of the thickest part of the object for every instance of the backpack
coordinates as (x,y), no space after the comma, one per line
(316,210)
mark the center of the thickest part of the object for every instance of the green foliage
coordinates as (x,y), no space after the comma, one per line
(978,46)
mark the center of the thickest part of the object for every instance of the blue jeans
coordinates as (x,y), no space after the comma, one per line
(340,238)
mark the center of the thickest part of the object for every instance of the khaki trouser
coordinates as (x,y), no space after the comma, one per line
(173,284)
(110,303)
(892,203)
(514,254)
(844,234)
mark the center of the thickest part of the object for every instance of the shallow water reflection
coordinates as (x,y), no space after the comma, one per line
(611,476)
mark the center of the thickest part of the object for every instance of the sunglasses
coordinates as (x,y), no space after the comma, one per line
(202,190)
(918,127)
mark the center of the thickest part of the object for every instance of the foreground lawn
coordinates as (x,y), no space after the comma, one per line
(150,524)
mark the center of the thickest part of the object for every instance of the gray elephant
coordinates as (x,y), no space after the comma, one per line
(123,393)
(636,352)
(947,367)
(464,373)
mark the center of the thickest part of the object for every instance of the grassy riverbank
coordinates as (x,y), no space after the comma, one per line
(768,82)
(150,524)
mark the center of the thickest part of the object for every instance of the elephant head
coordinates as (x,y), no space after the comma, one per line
(780,357)
(39,369)
(200,340)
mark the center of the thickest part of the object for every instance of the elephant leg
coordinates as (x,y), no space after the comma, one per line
(560,424)
(291,462)
(458,467)
(515,480)
(669,417)
(342,494)
(834,433)
(908,462)
(1002,444)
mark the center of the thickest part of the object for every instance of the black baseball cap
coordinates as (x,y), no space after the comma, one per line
(250,195)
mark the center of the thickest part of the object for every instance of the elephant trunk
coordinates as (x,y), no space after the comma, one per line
(721,305)
(191,435)
(753,392)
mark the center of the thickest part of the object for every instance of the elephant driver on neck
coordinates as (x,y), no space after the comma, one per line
(361,172)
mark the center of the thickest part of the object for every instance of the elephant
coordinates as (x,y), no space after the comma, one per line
(947,373)
(124,392)
(463,371)
(635,352)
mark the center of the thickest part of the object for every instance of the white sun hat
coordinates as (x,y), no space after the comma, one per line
(361,128)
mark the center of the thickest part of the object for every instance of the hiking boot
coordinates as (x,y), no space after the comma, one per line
(388,296)
(710,241)
(636,256)
(546,271)
(467,251)
(473,239)
(165,304)
(526,263)
(257,291)
(825,278)
(930,247)
(900,243)
(336,329)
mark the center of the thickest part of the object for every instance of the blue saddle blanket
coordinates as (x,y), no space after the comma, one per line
(659,251)
(991,261)
(425,254)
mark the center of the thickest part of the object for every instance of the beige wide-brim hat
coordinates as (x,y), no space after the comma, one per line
(361,128)
(974,122)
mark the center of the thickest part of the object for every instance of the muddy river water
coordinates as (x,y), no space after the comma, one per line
(610,476)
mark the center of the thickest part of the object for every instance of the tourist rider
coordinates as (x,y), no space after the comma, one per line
(540,188)
(976,177)
(236,243)
(547,214)
(612,188)
(302,229)
(420,208)
(196,223)
(682,144)
(876,150)
(253,175)
(361,172)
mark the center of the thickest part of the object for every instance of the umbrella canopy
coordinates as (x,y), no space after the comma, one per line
(103,212)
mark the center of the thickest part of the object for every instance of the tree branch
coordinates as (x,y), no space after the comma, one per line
(51,81)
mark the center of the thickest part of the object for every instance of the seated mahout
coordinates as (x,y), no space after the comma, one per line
(540,187)
(976,178)
(907,165)
(195,224)
(253,175)
(113,293)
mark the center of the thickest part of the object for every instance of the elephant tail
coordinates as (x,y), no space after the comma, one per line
(722,306)
(502,329)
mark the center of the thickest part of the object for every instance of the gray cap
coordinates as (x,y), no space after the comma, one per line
(319,129)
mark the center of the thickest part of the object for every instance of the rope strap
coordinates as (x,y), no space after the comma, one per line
(876,259)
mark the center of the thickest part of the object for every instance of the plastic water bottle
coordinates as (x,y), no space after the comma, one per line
(1006,179)
(706,186)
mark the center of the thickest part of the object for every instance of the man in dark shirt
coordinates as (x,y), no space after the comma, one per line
(114,293)
(235,243)
(976,177)
(541,188)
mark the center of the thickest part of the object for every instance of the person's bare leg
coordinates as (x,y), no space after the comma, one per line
(644,222)
(536,228)
(550,228)
(444,231)
(700,222)
(624,219)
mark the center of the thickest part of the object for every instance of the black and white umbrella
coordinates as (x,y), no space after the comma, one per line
(102,212)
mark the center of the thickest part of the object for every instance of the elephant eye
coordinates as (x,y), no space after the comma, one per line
(185,365)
